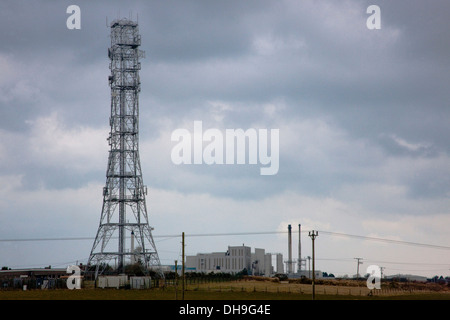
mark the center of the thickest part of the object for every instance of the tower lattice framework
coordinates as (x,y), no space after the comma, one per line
(124,210)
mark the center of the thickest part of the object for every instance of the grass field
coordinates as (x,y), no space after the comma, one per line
(240,290)
(156,294)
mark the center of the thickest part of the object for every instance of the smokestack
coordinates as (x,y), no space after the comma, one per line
(289,270)
(299,248)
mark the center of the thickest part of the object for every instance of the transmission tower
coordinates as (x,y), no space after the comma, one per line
(124,208)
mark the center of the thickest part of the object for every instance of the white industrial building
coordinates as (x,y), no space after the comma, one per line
(258,263)
(234,260)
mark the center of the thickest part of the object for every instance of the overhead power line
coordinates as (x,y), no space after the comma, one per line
(376,261)
(340,234)
(46,239)
(387,240)
(154,236)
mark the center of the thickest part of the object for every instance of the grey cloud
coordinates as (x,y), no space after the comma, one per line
(363,117)
(318,58)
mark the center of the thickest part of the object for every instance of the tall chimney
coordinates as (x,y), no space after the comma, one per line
(289,265)
(299,248)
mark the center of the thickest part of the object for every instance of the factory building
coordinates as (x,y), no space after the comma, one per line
(279,261)
(258,263)
(234,260)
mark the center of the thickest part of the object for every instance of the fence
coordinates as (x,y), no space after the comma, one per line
(300,289)
(219,284)
(33,283)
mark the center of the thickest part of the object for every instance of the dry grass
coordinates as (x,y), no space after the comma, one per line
(348,288)
(251,288)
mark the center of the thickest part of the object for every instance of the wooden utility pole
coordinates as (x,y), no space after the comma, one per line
(176,280)
(313,234)
(182,266)
(309,266)
(357,267)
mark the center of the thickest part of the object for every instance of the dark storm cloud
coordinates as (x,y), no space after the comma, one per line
(363,118)
(315,58)
(188,31)
(47,59)
(424,25)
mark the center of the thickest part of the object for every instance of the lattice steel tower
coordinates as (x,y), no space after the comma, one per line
(124,210)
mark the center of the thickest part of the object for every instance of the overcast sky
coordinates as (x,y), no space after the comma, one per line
(363,117)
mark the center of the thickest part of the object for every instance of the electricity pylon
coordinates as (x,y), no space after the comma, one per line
(124,208)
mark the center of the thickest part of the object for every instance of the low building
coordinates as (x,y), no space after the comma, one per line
(406,277)
(307,274)
(33,278)
(33,273)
